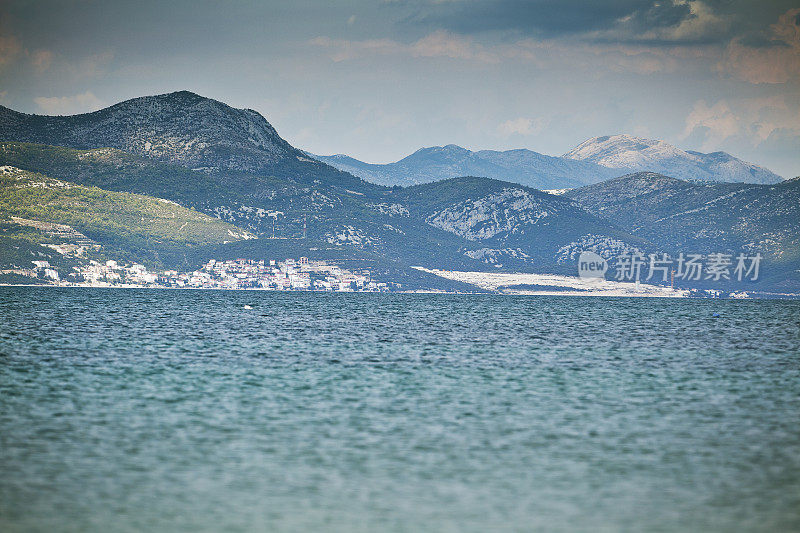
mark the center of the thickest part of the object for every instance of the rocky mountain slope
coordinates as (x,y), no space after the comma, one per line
(694,217)
(181,128)
(463,223)
(633,154)
(511,225)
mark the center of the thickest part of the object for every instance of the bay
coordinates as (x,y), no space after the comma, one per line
(162,410)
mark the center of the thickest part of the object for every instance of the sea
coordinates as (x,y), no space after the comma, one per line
(199,410)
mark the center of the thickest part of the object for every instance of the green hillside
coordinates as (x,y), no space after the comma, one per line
(135,226)
(115,170)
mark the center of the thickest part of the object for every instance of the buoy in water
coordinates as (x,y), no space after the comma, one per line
(247,306)
(715,315)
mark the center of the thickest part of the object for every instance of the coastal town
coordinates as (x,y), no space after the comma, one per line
(287,275)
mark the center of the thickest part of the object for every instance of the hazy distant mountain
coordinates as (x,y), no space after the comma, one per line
(633,154)
(592,161)
(427,165)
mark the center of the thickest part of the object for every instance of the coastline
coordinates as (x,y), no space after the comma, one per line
(572,294)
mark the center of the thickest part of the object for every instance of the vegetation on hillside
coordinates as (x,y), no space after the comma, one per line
(133,225)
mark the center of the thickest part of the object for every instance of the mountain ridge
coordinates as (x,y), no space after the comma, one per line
(461,223)
(434,163)
(592,161)
(701,217)
(181,128)
(635,154)
(298,206)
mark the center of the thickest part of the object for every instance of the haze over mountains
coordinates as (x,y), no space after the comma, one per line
(634,154)
(525,167)
(231,164)
(592,161)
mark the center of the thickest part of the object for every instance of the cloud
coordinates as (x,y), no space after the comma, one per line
(522,126)
(600,59)
(699,24)
(68,105)
(41,60)
(436,44)
(550,18)
(655,22)
(717,122)
(776,60)
(9,49)
(548,53)
(343,50)
(620,36)
(93,65)
(443,44)
(751,120)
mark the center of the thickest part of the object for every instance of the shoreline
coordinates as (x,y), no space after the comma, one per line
(757,295)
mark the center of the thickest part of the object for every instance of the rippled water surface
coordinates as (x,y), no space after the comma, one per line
(156,410)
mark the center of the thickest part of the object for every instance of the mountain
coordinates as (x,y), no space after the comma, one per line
(115,170)
(592,161)
(460,223)
(138,227)
(696,217)
(427,165)
(296,205)
(512,225)
(632,154)
(181,128)
(300,207)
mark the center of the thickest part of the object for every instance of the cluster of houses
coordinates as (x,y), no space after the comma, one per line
(290,274)
(46,271)
(97,274)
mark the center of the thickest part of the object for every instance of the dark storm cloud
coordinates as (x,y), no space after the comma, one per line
(549,17)
(613,20)
(751,21)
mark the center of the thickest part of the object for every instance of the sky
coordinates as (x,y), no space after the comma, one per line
(378,80)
